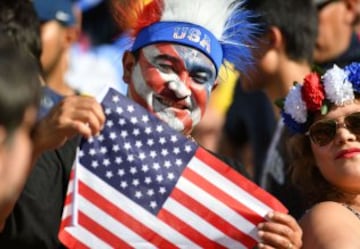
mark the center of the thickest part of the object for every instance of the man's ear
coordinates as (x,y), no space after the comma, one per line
(215,85)
(273,50)
(354,9)
(128,66)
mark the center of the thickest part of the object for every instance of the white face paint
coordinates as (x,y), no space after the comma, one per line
(174,82)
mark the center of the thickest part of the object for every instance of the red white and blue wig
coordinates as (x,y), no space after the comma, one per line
(219,29)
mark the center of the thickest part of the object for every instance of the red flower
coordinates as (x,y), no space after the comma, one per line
(313,92)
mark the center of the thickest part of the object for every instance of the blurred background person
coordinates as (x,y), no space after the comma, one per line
(338,40)
(19,99)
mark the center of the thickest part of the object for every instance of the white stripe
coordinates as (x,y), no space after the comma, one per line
(229,187)
(109,223)
(218,207)
(200,224)
(87,238)
(122,202)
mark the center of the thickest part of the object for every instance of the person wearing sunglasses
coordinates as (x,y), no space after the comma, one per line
(338,40)
(324,114)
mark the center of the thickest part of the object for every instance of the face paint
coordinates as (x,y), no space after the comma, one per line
(174,82)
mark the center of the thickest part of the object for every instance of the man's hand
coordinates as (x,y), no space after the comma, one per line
(72,116)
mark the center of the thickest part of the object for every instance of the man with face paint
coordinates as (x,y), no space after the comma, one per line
(173,66)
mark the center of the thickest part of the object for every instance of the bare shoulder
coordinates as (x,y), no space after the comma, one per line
(330,225)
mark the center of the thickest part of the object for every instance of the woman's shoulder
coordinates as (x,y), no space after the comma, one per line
(330,225)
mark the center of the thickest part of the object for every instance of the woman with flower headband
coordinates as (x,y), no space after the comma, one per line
(324,111)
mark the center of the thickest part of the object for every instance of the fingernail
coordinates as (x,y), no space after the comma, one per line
(261,245)
(270,215)
(260,233)
(260,225)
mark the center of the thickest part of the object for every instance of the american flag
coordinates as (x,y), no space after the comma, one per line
(140,184)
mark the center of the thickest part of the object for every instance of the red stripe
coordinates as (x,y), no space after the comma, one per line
(101,232)
(121,216)
(187,230)
(212,218)
(233,176)
(65,222)
(71,242)
(68,199)
(222,196)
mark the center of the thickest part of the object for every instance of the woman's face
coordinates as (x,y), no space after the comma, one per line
(172,81)
(339,160)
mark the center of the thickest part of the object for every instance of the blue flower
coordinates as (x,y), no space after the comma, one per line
(353,71)
(294,126)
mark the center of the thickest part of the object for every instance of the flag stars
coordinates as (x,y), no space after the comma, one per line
(188,148)
(103,150)
(145,168)
(106,162)
(178,162)
(173,139)
(107,111)
(176,150)
(81,153)
(130,108)
(153,154)
(171,176)
(162,190)
(156,166)
(159,178)
(124,134)
(138,195)
(148,180)
(164,152)
(145,118)
(109,123)
(115,99)
(115,148)
(148,130)
(159,128)
(123,184)
(142,156)
(112,135)
(133,120)
(109,174)
(167,164)
(138,144)
(150,192)
(135,182)
(122,121)
(127,146)
(153,204)
(94,164)
(133,170)
(100,138)
(162,140)
(119,110)
(121,172)
(92,152)
(118,160)
(150,142)
(136,132)
(130,158)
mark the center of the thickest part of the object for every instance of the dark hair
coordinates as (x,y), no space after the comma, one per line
(19,83)
(19,21)
(297,21)
(305,174)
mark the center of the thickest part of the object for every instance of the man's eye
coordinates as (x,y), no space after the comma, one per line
(166,68)
(201,78)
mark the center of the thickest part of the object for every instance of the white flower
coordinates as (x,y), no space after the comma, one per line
(295,106)
(337,88)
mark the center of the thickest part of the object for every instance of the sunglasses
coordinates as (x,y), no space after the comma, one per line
(324,131)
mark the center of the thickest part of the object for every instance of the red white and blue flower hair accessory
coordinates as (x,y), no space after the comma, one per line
(220,29)
(336,86)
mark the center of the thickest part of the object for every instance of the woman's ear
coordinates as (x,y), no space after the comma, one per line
(128,65)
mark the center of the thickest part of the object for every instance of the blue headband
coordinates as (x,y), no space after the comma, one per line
(183,33)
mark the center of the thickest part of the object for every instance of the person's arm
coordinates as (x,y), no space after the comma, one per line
(330,225)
